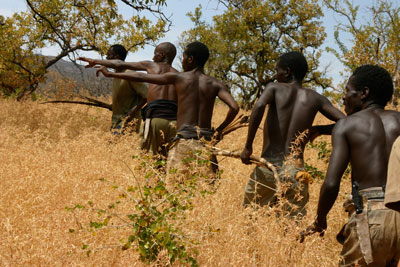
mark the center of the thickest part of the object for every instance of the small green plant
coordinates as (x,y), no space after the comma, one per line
(153,227)
(315,172)
(158,211)
(324,152)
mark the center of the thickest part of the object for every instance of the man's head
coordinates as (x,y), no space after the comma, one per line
(164,52)
(368,84)
(195,56)
(117,51)
(292,65)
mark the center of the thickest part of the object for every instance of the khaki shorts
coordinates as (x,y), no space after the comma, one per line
(262,186)
(191,156)
(160,134)
(384,230)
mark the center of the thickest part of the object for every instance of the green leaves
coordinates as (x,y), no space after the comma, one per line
(247,39)
(158,212)
(375,37)
(152,229)
(324,151)
(70,26)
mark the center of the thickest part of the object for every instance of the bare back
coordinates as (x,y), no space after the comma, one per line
(291,111)
(196,97)
(361,138)
(156,91)
(391,123)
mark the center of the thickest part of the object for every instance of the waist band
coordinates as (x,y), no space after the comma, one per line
(193,132)
(160,108)
(373,193)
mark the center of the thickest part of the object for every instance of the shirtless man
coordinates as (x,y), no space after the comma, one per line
(126,96)
(363,139)
(292,110)
(196,97)
(161,110)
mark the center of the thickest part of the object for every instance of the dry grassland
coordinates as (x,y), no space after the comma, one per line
(52,157)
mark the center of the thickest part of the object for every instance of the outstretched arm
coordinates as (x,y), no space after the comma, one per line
(329,111)
(318,130)
(118,64)
(227,98)
(330,188)
(255,120)
(166,78)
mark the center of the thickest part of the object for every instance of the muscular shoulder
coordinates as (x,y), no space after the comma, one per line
(360,122)
(391,121)
(343,125)
(212,83)
(313,95)
(310,92)
(286,92)
(348,127)
(284,88)
(164,68)
(172,69)
(276,86)
(349,123)
(389,116)
(392,113)
(271,88)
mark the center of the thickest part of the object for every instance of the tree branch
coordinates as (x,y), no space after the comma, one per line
(99,104)
(45,19)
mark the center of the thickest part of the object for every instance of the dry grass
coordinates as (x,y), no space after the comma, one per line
(53,156)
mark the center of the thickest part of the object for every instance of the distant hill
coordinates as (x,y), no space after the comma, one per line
(77,78)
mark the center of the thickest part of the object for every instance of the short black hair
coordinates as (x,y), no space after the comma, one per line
(119,50)
(377,79)
(296,62)
(169,50)
(199,52)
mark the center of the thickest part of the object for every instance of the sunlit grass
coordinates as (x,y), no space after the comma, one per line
(52,156)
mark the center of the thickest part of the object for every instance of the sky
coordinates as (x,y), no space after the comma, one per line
(178,9)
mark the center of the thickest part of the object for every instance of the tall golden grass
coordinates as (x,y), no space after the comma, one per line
(52,157)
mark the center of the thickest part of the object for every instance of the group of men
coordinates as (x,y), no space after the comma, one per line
(180,107)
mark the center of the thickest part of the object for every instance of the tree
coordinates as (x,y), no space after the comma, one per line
(248,38)
(71,26)
(373,41)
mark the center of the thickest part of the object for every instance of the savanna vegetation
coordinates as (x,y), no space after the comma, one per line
(71,27)
(245,39)
(74,195)
(63,175)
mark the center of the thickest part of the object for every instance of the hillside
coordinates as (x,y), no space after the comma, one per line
(80,80)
